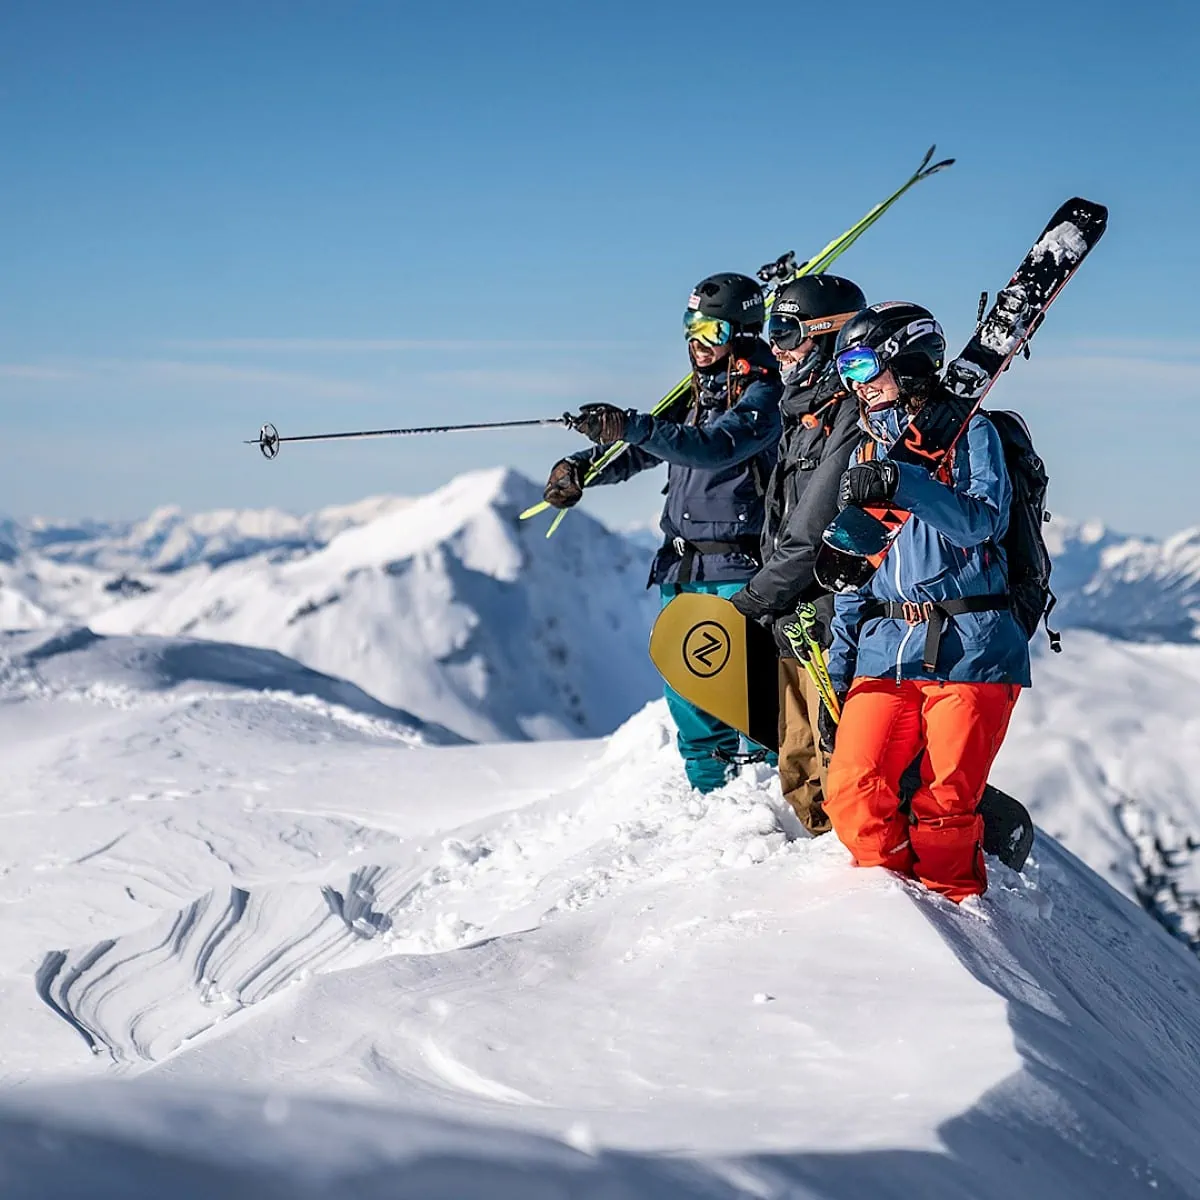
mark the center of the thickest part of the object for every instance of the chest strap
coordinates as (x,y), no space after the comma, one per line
(935,613)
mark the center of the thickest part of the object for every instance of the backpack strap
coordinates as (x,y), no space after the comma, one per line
(935,613)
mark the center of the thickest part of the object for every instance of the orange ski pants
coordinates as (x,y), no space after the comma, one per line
(884,725)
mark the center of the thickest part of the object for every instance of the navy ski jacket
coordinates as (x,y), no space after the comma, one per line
(719,458)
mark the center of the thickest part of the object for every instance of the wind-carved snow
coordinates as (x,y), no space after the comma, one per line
(1063,242)
(140,996)
(563,951)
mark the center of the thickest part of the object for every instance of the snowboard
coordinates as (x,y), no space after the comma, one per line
(727,666)
(857,541)
(720,662)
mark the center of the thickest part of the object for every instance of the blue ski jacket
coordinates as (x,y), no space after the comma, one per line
(949,549)
(719,457)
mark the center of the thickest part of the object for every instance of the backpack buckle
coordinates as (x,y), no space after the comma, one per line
(917,614)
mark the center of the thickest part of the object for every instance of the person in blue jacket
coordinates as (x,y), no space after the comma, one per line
(719,445)
(927,656)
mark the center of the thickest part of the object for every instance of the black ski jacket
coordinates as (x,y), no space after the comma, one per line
(803,491)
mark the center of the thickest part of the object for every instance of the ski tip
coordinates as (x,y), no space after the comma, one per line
(1083,205)
(928,155)
(562,512)
(940,166)
(539,507)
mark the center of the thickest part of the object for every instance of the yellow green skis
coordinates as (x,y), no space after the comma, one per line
(820,262)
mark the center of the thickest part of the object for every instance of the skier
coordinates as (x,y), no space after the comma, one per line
(720,446)
(820,429)
(927,656)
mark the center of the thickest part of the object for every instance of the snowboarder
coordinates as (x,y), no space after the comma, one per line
(719,445)
(820,429)
(926,656)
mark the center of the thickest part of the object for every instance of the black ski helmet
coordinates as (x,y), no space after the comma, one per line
(906,339)
(814,296)
(731,297)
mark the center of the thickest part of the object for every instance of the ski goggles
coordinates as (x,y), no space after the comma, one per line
(786,332)
(708,331)
(860,364)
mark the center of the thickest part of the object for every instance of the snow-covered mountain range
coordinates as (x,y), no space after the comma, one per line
(449,607)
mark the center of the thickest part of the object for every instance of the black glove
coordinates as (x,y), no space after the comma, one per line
(827,726)
(564,488)
(753,607)
(800,650)
(869,484)
(783,643)
(601,423)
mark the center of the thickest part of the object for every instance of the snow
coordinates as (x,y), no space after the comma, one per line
(448,607)
(261,935)
(1064,241)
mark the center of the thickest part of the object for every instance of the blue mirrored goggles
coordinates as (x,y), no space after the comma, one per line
(860,364)
(708,331)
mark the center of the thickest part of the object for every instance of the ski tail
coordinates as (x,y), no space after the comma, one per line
(820,262)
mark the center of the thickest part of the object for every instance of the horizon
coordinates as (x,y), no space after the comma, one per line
(1087,529)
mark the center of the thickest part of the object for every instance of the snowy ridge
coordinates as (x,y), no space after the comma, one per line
(450,608)
(554,965)
(79,665)
(1136,588)
(169,540)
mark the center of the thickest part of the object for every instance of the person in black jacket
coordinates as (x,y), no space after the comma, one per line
(720,446)
(820,431)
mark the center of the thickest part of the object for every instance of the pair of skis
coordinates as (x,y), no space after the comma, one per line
(856,543)
(775,275)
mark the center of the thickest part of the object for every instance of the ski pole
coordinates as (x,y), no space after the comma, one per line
(777,274)
(269,441)
(801,636)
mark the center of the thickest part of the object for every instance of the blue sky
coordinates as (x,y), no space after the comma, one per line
(376,214)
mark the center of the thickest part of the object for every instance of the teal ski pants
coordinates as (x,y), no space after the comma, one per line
(700,734)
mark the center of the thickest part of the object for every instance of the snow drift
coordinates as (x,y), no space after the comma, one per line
(252,948)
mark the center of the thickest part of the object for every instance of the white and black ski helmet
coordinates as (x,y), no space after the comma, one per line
(906,338)
(730,297)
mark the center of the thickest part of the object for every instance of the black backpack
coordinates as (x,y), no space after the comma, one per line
(1029,563)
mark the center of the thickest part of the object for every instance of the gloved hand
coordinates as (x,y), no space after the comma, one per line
(564,488)
(801,649)
(601,423)
(827,726)
(869,484)
(753,607)
(783,643)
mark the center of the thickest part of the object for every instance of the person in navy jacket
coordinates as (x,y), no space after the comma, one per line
(719,444)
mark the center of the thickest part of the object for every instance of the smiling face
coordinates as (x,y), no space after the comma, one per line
(707,356)
(881,392)
(789,358)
